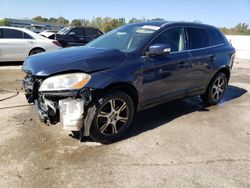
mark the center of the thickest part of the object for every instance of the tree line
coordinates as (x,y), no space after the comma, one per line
(107,24)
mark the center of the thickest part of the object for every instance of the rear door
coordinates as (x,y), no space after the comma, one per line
(13,46)
(202,55)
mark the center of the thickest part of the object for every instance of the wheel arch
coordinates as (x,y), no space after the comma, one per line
(36,48)
(124,87)
(225,70)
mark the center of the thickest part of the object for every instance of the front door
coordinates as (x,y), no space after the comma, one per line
(166,76)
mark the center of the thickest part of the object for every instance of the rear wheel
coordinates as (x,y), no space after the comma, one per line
(113,117)
(36,51)
(215,90)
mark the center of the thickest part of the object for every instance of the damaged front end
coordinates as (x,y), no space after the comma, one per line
(60,98)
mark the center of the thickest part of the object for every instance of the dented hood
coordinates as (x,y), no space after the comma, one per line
(82,59)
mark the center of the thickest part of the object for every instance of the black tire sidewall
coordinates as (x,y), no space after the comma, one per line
(95,133)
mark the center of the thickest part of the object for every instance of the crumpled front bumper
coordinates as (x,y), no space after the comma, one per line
(66,107)
(69,112)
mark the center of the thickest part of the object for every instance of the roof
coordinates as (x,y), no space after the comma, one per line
(172,23)
(34,35)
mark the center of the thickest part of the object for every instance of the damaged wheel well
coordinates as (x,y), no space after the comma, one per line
(124,87)
(226,71)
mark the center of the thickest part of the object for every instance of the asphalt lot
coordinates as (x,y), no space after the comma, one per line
(178,144)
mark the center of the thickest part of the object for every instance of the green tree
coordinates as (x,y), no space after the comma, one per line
(84,22)
(135,20)
(76,22)
(4,22)
(157,19)
(241,28)
(112,23)
(45,19)
(38,18)
(62,21)
(53,20)
(97,23)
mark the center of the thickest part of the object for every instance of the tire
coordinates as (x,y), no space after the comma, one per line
(113,116)
(215,90)
(36,51)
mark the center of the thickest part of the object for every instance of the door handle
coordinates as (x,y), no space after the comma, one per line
(30,42)
(211,59)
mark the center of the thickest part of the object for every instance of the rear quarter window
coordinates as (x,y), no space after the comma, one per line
(27,36)
(216,37)
(198,38)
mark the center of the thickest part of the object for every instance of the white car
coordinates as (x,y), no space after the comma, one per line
(18,43)
(48,33)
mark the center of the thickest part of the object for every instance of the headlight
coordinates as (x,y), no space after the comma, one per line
(69,81)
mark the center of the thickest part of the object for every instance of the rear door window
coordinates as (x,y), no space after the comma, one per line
(12,34)
(78,32)
(1,33)
(198,38)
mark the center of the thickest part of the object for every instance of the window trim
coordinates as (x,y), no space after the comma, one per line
(186,41)
(213,46)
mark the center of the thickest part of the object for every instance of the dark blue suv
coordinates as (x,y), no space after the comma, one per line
(95,90)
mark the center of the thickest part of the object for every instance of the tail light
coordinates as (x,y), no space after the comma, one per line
(56,43)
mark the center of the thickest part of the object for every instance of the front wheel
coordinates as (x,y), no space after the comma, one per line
(215,90)
(113,117)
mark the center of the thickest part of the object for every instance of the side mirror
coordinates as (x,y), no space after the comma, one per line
(159,50)
(72,34)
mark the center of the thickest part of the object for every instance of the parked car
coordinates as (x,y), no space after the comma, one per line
(48,33)
(76,36)
(16,44)
(95,90)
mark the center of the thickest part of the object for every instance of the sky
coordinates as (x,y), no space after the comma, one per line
(220,13)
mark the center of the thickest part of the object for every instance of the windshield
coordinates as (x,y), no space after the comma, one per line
(125,39)
(64,31)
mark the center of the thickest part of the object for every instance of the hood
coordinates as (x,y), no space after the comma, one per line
(82,59)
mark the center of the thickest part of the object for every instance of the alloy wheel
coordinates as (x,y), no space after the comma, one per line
(218,88)
(112,116)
